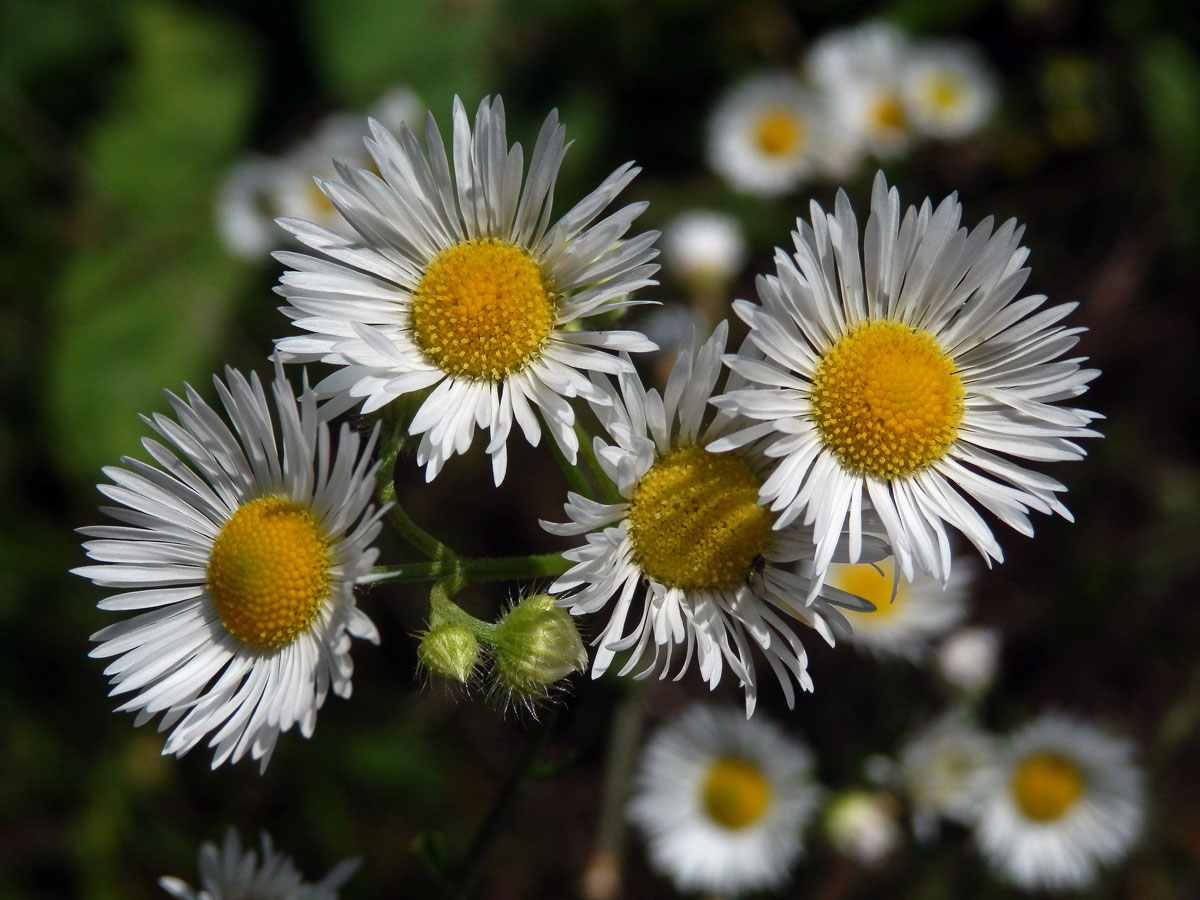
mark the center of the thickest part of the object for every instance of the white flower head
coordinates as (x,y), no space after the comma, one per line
(968,658)
(938,770)
(906,380)
(244,208)
(689,553)
(241,560)
(949,89)
(863,826)
(860,70)
(768,134)
(226,873)
(704,247)
(723,801)
(465,284)
(908,614)
(1063,799)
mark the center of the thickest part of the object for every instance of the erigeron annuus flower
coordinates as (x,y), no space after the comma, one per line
(860,70)
(939,768)
(948,88)
(723,801)
(703,248)
(689,528)
(466,285)
(905,381)
(226,873)
(908,615)
(767,135)
(1063,799)
(242,561)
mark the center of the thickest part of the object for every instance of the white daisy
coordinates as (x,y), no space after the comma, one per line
(938,771)
(723,801)
(908,615)
(862,825)
(905,386)
(690,529)
(968,659)
(767,135)
(1063,799)
(466,286)
(243,208)
(860,70)
(704,248)
(229,874)
(245,560)
(949,90)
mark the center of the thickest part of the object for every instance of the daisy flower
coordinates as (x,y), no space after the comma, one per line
(465,285)
(906,383)
(938,770)
(229,874)
(689,527)
(967,659)
(767,135)
(949,90)
(723,801)
(243,208)
(244,560)
(704,248)
(860,71)
(908,615)
(1062,800)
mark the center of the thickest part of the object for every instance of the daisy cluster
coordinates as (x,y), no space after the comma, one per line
(723,803)
(864,91)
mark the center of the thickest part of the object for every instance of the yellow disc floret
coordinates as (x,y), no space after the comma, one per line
(871,581)
(1046,785)
(779,133)
(944,91)
(887,113)
(736,793)
(483,310)
(695,521)
(268,573)
(886,400)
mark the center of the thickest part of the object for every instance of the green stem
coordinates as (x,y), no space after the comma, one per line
(608,490)
(575,477)
(491,568)
(421,539)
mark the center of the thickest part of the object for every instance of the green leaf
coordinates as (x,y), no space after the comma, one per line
(144,302)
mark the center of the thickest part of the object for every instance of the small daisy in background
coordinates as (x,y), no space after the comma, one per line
(938,769)
(908,615)
(1062,799)
(968,659)
(768,134)
(703,248)
(860,71)
(723,801)
(863,825)
(689,554)
(228,873)
(241,561)
(948,88)
(465,284)
(261,188)
(906,379)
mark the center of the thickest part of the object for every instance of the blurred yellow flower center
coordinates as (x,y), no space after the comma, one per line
(871,582)
(268,573)
(695,521)
(779,133)
(484,309)
(886,400)
(944,91)
(887,114)
(736,793)
(1046,786)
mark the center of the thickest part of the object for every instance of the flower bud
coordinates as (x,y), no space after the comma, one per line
(535,645)
(449,650)
(968,659)
(862,825)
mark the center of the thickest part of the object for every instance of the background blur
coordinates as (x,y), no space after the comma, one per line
(118,122)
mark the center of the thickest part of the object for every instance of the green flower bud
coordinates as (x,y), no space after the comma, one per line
(536,644)
(449,650)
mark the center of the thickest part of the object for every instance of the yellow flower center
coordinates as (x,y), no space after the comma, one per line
(886,400)
(871,583)
(484,309)
(1046,786)
(268,573)
(944,91)
(695,521)
(736,793)
(887,114)
(779,132)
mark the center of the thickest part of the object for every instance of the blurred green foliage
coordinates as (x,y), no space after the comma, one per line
(118,122)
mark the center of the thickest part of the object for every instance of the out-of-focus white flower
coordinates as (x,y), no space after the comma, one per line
(949,90)
(703,248)
(938,769)
(967,659)
(862,825)
(245,208)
